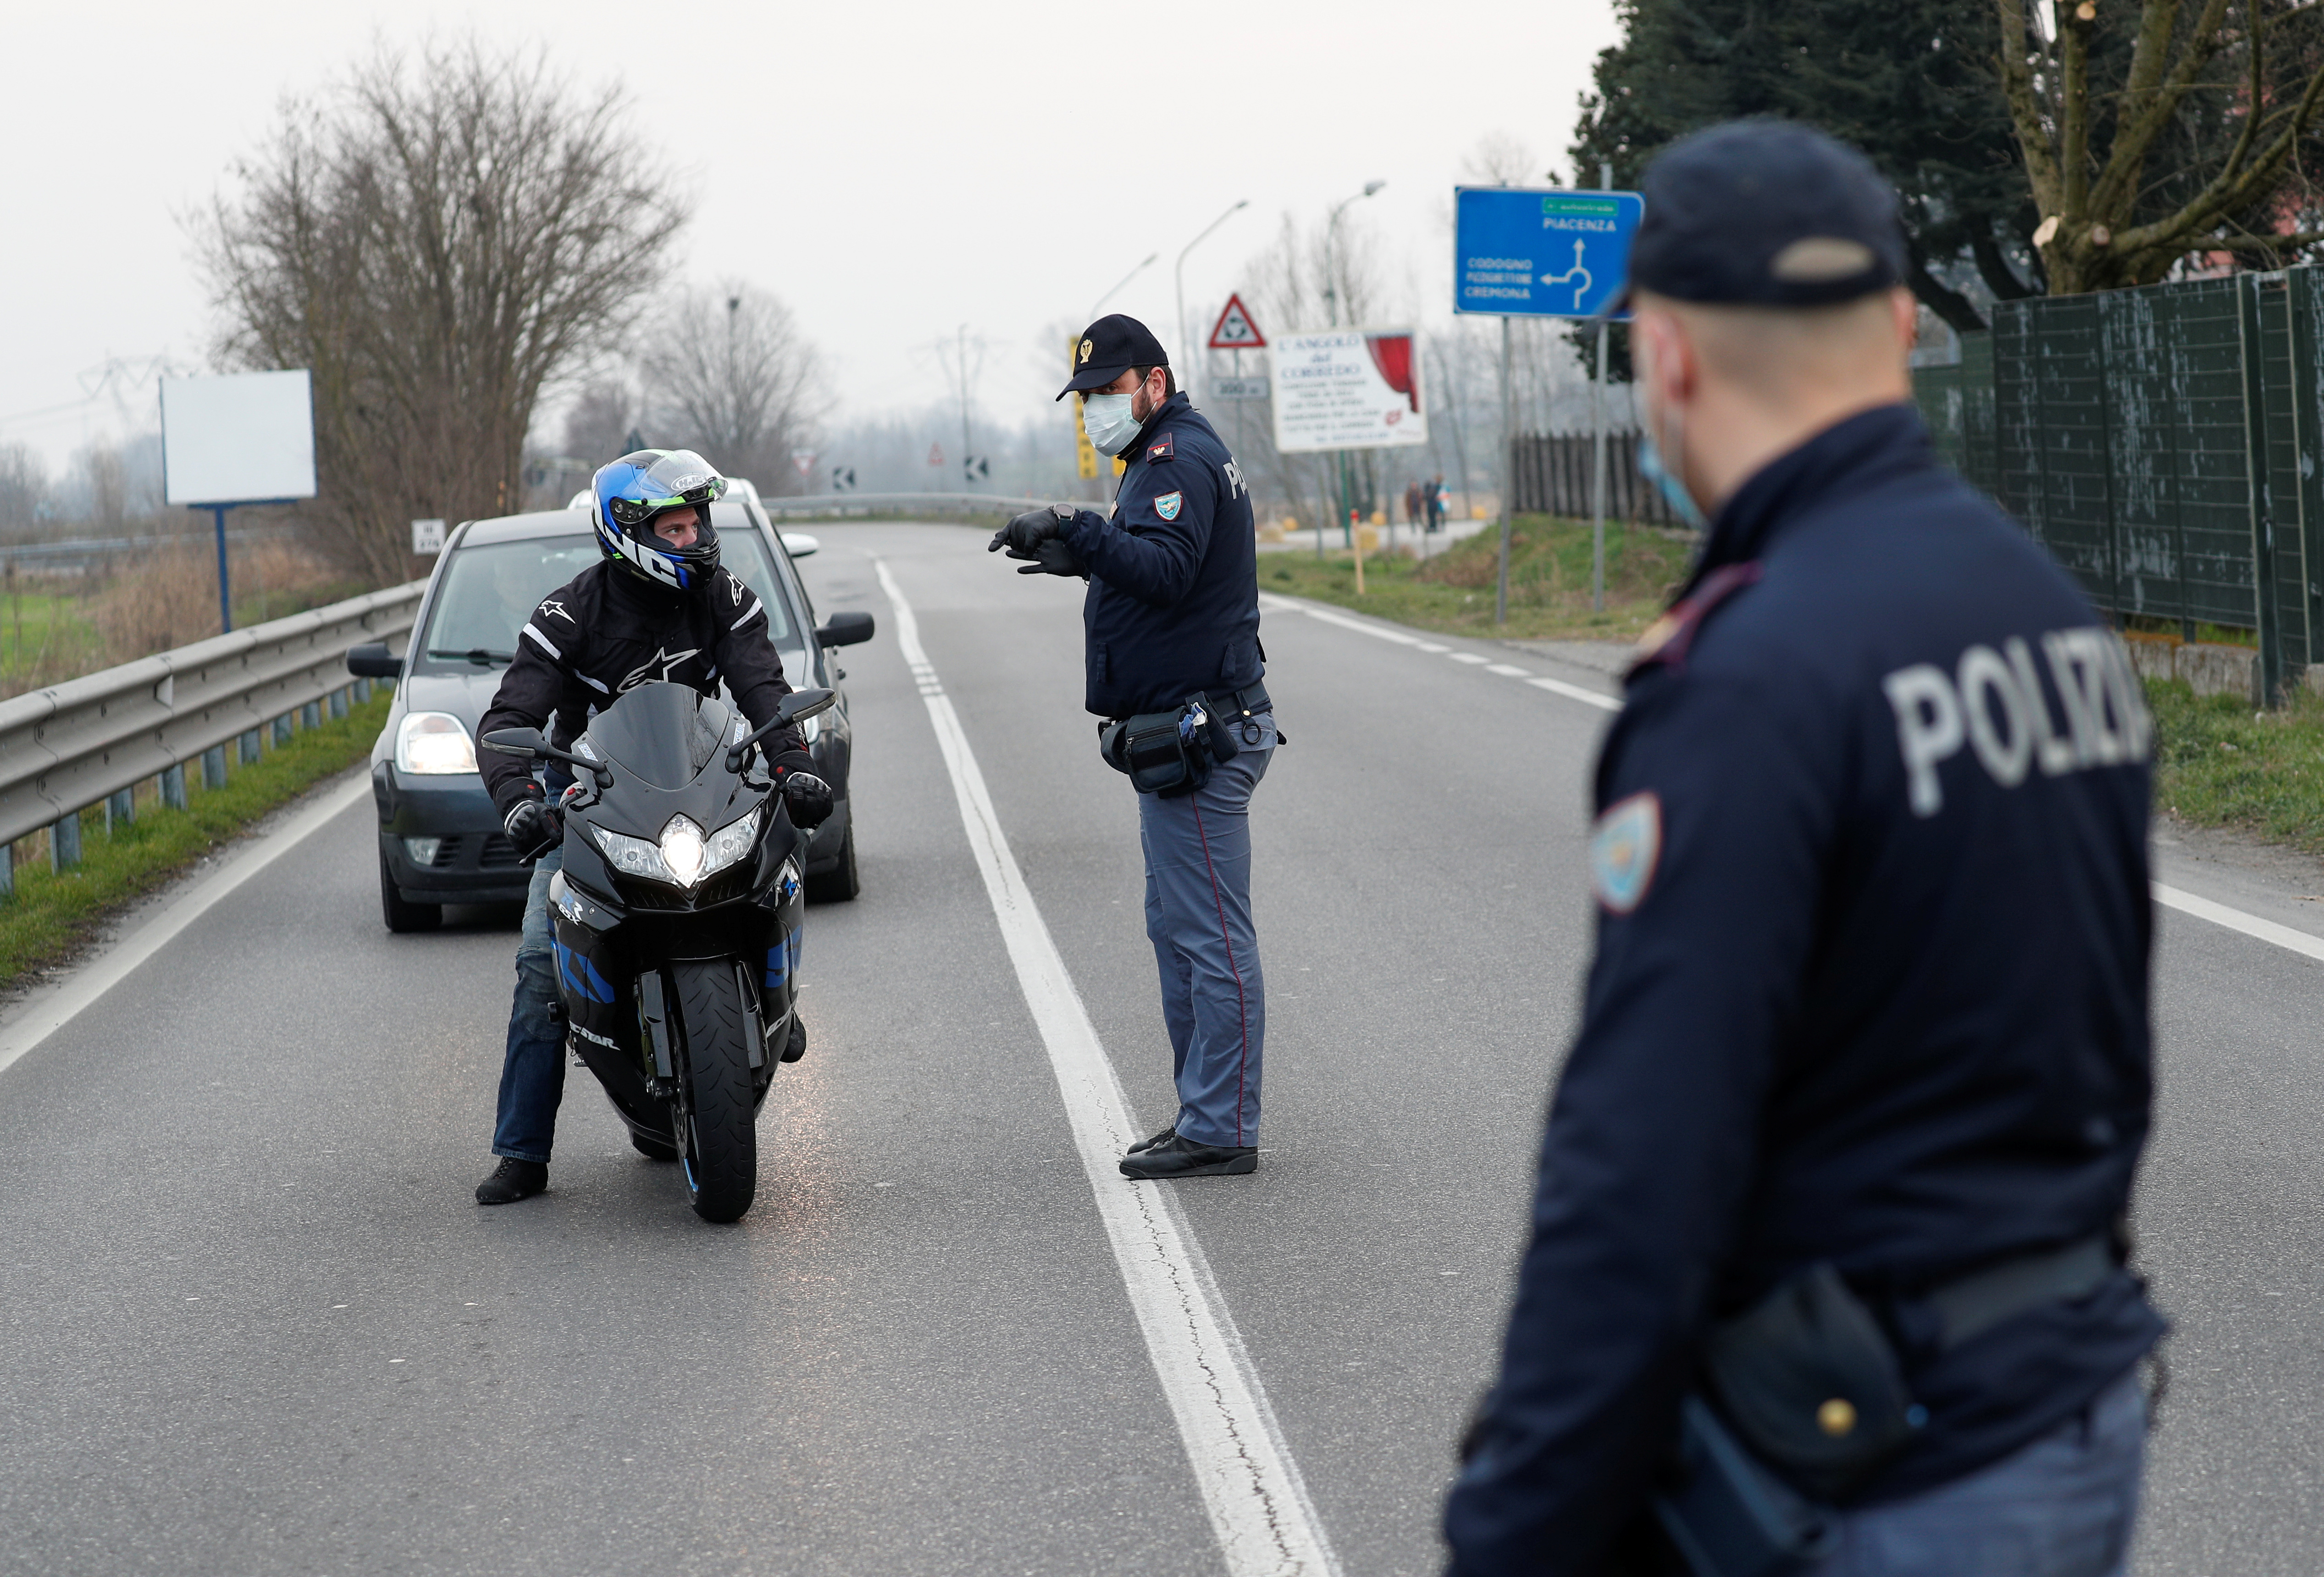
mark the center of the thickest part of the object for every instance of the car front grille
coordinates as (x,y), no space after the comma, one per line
(498,853)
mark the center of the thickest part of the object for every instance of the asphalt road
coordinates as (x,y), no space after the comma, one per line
(255,1324)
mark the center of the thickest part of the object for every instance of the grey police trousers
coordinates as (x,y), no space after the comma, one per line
(1198,915)
(2063,1506)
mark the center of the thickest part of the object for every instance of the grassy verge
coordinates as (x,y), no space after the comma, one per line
(1549,582)
(2218,765)
(54,912)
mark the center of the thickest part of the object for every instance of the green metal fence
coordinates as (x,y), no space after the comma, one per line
(2162,444)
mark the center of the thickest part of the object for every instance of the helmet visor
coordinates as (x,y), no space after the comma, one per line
(677,478)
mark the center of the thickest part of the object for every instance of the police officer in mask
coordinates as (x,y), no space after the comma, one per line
(1826,1271)
(1174,670)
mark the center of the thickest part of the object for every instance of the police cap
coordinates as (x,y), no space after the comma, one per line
(1110,348)
(1764,213)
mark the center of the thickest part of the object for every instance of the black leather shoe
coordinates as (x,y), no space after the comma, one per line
(1145,1144)
(512,1180)
(1179,1157)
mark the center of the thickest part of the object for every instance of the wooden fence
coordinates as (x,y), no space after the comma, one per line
(1551,475)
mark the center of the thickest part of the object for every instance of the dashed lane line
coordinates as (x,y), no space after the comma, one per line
(2251,925)
(1251,1488)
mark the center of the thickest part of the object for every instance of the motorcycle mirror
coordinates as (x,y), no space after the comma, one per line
(524,742)
(806,703)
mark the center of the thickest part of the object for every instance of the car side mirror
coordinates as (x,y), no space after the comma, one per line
(524,742)
(374,661)
(802,704)
(845,629)
(798,544)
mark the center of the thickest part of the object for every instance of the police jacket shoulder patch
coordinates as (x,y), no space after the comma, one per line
(1623,848)
(1159,449)
(1668,639)
(1168,504)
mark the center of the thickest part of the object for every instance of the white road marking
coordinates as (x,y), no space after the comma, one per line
(1251,1487)
(44,1018)
(2283,936)
(1468,657)
(1510,670)
(1612,703)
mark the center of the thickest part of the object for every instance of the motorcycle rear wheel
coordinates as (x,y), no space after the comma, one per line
(719,1137)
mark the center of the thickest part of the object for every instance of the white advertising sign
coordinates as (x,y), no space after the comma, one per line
(1347,388)
(239,439)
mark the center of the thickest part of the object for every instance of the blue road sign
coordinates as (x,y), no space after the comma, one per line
(1533,254)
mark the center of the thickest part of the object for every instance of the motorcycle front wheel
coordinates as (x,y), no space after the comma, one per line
(718,1137)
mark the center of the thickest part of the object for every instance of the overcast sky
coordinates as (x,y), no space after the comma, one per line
(893,170)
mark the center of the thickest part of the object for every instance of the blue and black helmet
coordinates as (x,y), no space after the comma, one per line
(632,490)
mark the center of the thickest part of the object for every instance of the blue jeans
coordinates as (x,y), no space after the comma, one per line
(2061,1507)
(1198,916)
(532,1074)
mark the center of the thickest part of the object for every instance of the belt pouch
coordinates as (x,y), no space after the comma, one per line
(1729,1515)
(1164,753)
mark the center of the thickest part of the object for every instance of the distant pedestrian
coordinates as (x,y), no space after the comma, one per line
(1436,503)
(1173,668)
(1412,503)
(1827,1268)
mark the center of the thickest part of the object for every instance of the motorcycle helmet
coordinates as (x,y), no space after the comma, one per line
(631,491)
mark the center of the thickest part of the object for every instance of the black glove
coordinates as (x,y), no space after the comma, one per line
(1029,529)
(1053,557)
(807,795)
(533,829)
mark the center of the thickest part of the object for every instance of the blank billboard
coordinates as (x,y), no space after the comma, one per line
(237,439)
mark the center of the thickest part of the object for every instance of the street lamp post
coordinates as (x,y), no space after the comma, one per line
(1332,307)
(1185,344)
(1124,279)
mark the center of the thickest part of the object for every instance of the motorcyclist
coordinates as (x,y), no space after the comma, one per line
(659,608)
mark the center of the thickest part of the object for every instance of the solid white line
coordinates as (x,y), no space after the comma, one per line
(44,1018)
(1257,1501)
(2283,936)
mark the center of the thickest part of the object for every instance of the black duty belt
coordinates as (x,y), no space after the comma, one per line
(1242,703)
(1974,1303)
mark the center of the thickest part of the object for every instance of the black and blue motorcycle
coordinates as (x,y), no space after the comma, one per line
(677,913)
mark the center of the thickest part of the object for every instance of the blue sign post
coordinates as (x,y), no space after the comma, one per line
(1528,252)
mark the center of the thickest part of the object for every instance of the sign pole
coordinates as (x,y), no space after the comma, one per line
(1597,458)
(225,596)
(1508,479)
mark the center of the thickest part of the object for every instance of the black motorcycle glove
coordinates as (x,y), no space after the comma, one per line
(1029,529)
(533,829)
(807,797)
(1053,557)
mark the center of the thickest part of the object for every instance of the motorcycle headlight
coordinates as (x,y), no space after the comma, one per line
(683,856)
(432,744)
(729,843)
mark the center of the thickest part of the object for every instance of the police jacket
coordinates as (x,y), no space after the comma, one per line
(1173,604)
(1870,987)
(606,631)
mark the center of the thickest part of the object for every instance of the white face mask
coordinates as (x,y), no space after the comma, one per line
(1108,420)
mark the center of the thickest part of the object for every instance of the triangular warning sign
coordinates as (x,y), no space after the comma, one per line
(1234,330)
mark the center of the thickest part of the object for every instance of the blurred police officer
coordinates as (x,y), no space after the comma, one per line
(1835,1169)
(1172,618)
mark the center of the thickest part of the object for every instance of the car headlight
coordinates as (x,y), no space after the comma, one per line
(682,857)
(432,744)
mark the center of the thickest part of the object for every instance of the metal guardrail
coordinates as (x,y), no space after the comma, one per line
(85,549)
(70,746)
(824,505)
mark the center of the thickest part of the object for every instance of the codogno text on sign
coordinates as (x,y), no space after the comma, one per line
(1347,388)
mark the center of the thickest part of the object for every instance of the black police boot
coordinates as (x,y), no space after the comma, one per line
(1143,1145)
(1180,1156)
(512,1180)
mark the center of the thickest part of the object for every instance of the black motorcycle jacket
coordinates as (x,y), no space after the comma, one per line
(605,632)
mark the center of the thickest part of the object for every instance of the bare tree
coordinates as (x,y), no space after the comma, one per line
(24,487)
(728,373)
(2153,131)
(436,238)
(598,425)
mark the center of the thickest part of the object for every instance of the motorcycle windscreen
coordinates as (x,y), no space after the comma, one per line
(665,734)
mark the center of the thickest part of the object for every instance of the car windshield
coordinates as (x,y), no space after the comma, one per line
(490,590)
